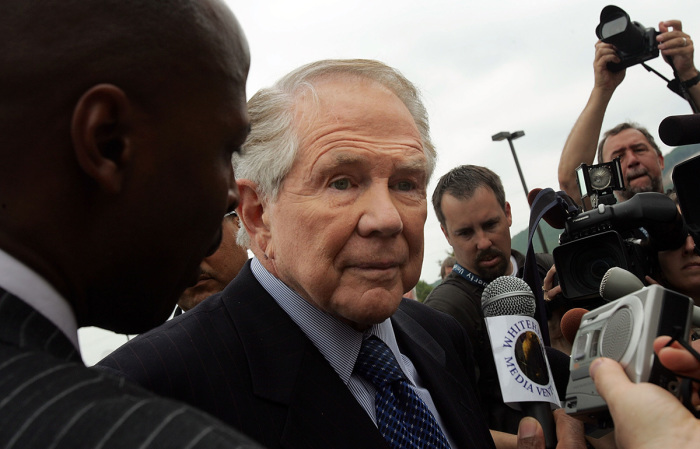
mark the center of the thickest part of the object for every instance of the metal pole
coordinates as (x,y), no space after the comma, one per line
(522,179)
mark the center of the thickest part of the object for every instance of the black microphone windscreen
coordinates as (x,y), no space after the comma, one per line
(508,295)
(679,130)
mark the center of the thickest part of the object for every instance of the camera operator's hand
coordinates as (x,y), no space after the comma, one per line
(677,47)
(569,432)
(680,361)
(606,80)
(646,416)
(550,290)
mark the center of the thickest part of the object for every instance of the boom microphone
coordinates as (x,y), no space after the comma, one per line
(523,370)
(679,130)
(618,282)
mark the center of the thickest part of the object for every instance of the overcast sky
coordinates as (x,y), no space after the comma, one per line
(482,67)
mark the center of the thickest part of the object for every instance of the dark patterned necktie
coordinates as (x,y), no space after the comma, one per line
(402,417)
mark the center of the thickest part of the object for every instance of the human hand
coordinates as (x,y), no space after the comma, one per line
(650,280)
(677,47)
(645,415)
(604,78)
(569,432)
(547,285)
(680,361)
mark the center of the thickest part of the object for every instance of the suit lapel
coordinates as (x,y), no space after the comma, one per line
(453,400)
(25,328)
(287,369)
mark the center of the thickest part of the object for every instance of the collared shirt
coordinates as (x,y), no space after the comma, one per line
(340,344)
(24,283)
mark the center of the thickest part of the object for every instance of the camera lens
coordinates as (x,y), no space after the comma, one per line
(587,260)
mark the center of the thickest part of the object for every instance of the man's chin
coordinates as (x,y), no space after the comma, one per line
(491,273)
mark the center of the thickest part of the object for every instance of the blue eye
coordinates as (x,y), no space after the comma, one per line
(405,186)
(341,184)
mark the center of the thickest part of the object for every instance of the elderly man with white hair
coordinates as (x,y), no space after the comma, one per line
(312,344)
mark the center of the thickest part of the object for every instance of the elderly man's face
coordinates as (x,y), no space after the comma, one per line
(346,231)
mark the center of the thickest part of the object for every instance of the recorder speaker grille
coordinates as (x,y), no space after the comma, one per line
(617,334)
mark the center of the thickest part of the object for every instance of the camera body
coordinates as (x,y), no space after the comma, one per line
(624,330)
(634,43)
(612,236)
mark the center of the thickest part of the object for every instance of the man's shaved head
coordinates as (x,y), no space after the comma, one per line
(57,51)
(118,120)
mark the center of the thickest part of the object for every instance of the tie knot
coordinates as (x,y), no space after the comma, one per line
(377,364)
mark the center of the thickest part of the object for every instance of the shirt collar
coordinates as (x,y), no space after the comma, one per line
(34,290)
(337,341)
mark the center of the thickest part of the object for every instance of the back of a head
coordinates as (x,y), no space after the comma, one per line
(140,56)
(52,53)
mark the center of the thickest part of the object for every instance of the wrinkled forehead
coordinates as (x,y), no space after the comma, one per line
(347,102)
(624,139)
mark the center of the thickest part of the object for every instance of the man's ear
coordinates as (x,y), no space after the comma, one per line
(254,215)
(98,131)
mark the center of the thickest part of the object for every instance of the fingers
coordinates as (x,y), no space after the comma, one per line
(570,433)
(554,291)
(609,378)
(549,278)
(676,358)
(650,280)
(530,434)
(676,25)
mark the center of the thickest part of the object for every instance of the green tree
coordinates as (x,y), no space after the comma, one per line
(423,289)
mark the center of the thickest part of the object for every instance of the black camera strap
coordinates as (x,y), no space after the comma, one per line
(546,200)
(686,387)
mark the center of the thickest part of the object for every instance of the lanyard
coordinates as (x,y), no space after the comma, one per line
(469,276)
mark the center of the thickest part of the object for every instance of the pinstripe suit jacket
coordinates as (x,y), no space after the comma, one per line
(49,399)
(239,356)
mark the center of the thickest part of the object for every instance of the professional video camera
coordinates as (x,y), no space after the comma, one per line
(634,43)
(625,328)
(625,235)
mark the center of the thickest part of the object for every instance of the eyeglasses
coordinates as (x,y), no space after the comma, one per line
(231,214)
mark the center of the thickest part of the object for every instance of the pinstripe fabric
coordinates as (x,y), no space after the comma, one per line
(49,399)
(240,357)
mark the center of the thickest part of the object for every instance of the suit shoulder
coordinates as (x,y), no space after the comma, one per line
(47,401)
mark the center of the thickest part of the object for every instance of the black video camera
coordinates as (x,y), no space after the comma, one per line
(625,235)
(634,43)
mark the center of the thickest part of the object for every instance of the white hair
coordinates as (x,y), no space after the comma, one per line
(271,148)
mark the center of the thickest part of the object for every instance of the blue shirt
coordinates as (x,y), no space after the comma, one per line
(340,344)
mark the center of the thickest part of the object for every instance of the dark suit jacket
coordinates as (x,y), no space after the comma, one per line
(49,399)
(239,356)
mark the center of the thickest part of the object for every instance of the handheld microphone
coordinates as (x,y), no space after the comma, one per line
(523,369)
(570,322)
(679,130)
(618,282)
